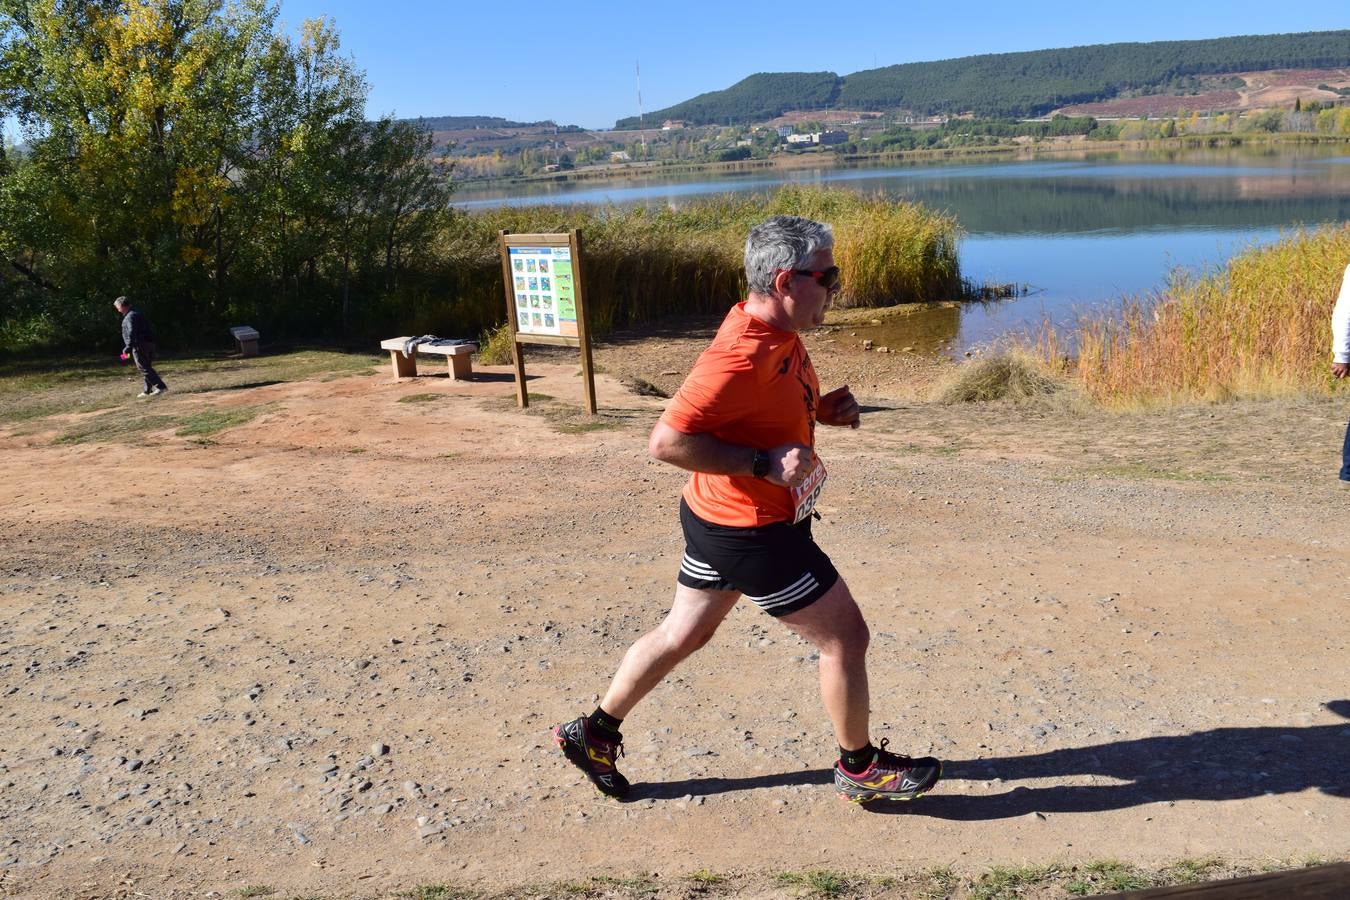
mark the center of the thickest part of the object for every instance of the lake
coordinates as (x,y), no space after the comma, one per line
(1080,233)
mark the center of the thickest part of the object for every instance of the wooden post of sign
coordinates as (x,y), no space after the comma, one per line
(517,352)
(583,330)
(539,255)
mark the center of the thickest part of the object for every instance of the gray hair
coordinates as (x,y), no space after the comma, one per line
(783,242)
(120,301)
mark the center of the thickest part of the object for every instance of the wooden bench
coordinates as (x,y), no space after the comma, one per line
(458,356)
(247,338)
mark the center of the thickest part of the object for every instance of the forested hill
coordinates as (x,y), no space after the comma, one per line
(1012,84)
(460,123)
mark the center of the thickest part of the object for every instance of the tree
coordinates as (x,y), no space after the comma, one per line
(186,153)
(135,113)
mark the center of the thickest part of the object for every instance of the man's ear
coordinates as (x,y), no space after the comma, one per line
(781,279)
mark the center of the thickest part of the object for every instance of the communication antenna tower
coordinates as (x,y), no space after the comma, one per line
(637,70)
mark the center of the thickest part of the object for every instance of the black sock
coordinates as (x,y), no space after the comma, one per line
(857,761)
(604,723)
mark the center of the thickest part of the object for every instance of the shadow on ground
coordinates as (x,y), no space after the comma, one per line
(1220,764)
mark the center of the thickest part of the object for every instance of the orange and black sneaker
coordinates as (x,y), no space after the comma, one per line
(593,755)
(889,777)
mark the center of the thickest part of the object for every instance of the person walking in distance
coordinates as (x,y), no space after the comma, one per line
(138,344)
(743,423)
(1340,355)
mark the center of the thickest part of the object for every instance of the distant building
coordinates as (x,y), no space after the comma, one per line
(671,124)
(818,138)
(784,131)
(619,156)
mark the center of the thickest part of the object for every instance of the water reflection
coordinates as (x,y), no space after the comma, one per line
(1083,230)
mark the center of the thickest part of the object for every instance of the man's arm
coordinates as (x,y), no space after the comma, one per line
(788,464)
(127,332)
(1340,330)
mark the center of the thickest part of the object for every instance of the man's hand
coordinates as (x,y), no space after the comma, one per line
(838,407)
(1340,370)
(790,464)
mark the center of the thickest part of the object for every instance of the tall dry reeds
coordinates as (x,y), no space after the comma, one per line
(643,264)
(1258,328)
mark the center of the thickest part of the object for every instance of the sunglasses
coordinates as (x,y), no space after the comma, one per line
(826,278)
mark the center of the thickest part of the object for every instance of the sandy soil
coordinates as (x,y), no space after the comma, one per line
(322,651)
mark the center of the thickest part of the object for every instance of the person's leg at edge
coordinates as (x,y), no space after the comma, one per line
(142,361)
(1345,456)
(835,626)
(693,619)
(593,743)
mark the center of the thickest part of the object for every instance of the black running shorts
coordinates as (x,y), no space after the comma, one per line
(778,566)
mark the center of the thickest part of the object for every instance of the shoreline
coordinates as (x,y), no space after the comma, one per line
(828,159)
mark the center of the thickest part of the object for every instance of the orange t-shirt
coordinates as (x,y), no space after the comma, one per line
(754,386)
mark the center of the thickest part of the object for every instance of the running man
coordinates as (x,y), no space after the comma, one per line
(744,423)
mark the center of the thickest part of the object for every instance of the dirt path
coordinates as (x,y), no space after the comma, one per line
(322,651)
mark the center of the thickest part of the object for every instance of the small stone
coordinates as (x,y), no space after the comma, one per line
(133,764)
(379,749)
(427,831)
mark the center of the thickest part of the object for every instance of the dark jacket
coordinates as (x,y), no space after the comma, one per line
(136,330)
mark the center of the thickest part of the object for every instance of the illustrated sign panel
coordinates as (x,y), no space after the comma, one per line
(544,290)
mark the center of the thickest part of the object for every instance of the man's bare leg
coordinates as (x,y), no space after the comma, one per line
(835,626)
(693,618)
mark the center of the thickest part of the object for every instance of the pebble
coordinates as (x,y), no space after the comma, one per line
(379,749)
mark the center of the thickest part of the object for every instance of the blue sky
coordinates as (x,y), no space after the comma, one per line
(574,63)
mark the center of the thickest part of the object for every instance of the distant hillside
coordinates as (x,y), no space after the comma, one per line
(463,123)
(1014,84)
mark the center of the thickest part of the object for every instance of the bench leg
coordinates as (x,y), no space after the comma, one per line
(461,369)
(404,366)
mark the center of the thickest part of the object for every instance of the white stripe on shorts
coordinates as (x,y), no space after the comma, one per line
(697,570)
(793,592)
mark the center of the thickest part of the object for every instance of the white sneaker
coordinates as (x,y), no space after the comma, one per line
(143,394)
(159,390)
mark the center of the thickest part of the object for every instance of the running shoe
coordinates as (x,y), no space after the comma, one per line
(889,777)
(593,755)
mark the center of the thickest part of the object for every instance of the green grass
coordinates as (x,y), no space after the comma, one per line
(817,882)
(437,892)
(1106,876)
(420,398)
(940,883)
(562,417)
(1142,471)
(32,390)
(1007,882)
(210,421)
(115,427)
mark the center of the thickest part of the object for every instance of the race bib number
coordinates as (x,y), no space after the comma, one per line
(805,494)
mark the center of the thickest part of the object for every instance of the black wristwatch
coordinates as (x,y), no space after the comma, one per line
(760,466)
